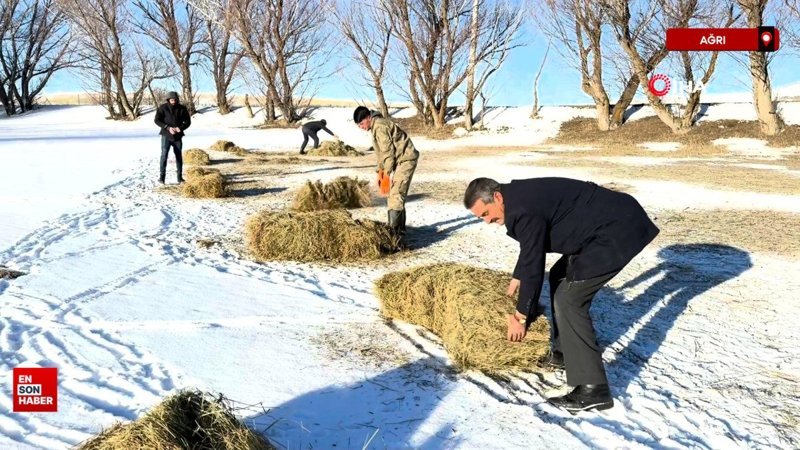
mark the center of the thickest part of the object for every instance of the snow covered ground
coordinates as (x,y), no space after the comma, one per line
(701,346)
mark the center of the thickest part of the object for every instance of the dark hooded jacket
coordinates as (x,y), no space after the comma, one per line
(173,116)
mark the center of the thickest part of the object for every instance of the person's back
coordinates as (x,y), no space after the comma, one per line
(607,227)
(398,140)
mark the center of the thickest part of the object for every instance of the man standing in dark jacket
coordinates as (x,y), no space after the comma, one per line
(173,119)
(310,129)
(598,231)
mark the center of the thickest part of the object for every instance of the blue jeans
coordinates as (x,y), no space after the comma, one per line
(177,147)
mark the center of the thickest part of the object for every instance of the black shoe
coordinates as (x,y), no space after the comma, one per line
(160,181)
(302,152)
(585,397)
(554,360)
(181,181)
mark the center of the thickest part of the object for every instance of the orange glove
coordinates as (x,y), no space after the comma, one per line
(384,183)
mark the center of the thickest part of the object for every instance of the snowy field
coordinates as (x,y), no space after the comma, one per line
(702,345)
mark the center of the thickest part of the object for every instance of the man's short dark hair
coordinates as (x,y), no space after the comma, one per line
(361,113)
(480,189)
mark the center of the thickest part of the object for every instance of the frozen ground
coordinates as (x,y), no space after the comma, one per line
(701,344)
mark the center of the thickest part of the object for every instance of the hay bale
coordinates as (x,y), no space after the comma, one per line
(189,419)
(206,185)
(194,172)
(334,148)
(331,235)
(221,146)
(196,156)
(342,192)
(466,307)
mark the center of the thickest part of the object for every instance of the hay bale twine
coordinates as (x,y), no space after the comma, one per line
(331,235)
(221,146)
(189,419)
(334,148)
(196,156)
(204,184)
(342,192)
(467,307)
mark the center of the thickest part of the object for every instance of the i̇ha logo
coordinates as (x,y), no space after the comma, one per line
(35,389)
(659,85)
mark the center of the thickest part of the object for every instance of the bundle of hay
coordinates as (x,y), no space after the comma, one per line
(229,147)
(334,148)
(204,183)
(194,172)
(196,156)
(331,235)
(467,308)
(9,274)
(189,419)
(221,146)
(342,192)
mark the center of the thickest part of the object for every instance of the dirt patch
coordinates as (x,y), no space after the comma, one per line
(9,274)
(583,131)
(714,175)
(752,230)
(415,126)
(443,191)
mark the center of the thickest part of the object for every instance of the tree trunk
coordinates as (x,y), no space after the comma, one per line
(473,56)
(603,119)
(247,105)
(188,95)
(384,108)
(768,118)
(222,102)
(625,99)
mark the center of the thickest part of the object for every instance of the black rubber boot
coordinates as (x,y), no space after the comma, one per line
(585,397)
(554,360)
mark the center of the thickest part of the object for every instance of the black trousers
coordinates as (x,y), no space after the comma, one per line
(306,134)
(573,332)
(177,147)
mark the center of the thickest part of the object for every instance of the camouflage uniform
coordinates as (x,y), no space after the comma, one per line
(398,157)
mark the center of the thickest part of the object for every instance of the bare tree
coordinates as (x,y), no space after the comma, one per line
(35,42)
(123,67)
(224,57)
(580,26)
(178,33)
(368,30)
(535,110)
(493,30)
(769,120)
(791,34)
(639,26)
(285,42)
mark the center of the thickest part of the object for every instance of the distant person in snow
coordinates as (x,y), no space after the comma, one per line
(173,119)
(597,231)
(310,129)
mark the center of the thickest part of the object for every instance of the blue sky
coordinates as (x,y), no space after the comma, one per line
(512,85)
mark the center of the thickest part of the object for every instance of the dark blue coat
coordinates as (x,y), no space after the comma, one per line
(601,229)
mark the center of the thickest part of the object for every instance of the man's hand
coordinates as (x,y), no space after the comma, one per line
(177,130)
(513,286)
(516,330)
(171,130)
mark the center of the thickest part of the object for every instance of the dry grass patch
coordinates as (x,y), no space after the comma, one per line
(204,184)
(416,126)
(718,176)
(196,156)
(467,308)
(697,141)
(759,231)
(228,147)
(342,192)
(331,235)
(187,420)
(334,148)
